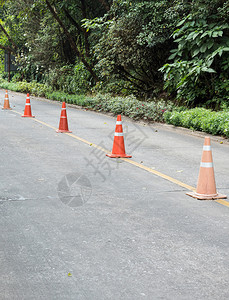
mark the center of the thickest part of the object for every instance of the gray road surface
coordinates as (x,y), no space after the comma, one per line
(76,224)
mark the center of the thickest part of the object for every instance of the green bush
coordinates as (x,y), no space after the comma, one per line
(131,107)
(34,88)
(216,123)
(71,99)
(69,79)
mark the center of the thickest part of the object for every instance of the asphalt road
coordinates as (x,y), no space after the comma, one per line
(76,224)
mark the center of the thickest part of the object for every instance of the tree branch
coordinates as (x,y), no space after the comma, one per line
(71,41)
(85,33)
(79,29)
(122,69)
(8,37)
(72,20)
(6,48)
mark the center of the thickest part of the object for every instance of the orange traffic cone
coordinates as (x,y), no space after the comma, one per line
(206,188)
(63,125)
(118,145)
(6,101)
(27,111)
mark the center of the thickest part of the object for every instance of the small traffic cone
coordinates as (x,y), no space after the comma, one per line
(206,187)
(63,125)
(6,101)
(27,111)
(118,145)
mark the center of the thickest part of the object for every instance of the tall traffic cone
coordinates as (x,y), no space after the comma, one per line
(63,125)
(206,187)
(118,145)
(6,101)
(27,111)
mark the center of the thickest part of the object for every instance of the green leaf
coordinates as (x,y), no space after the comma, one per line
(198,41)
(203,35)
(190,36)
(209,62)
(210,44)
(178,40)
(217,33)
(220,33)
(195,52)
(209,70)
(181,22)
(195,35)
(172,56)
(203,48)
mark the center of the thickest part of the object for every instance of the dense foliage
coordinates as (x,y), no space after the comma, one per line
(171,49)
(200,63)
(201,119)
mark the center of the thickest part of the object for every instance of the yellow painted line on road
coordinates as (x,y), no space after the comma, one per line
(137,164)
(87,142)
(173,180)
(223,202)
(17,112)
(41,122)
(67,133)
(132,162)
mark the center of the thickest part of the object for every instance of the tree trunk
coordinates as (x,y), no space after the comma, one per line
(87,47)
(72,42)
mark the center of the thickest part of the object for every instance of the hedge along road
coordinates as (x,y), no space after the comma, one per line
(78,225)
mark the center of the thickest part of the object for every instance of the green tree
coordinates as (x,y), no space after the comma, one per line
(198,72)
(133,41)
(52,33)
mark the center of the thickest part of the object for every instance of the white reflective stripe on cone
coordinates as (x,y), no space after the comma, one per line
(206,148)
(27,104)
(63,117)
(118,122)
(118,134)
(206,165)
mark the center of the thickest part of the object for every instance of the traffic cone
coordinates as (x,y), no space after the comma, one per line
(27,111)
(118,145)
(6,101)
(206,187)
(63,125)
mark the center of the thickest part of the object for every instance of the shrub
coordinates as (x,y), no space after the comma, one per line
(131,107)
(200,119)
(69,79)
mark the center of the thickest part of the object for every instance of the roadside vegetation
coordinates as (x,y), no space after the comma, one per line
(201,119)
(165,61)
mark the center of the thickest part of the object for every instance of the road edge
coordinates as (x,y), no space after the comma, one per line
(155,125)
